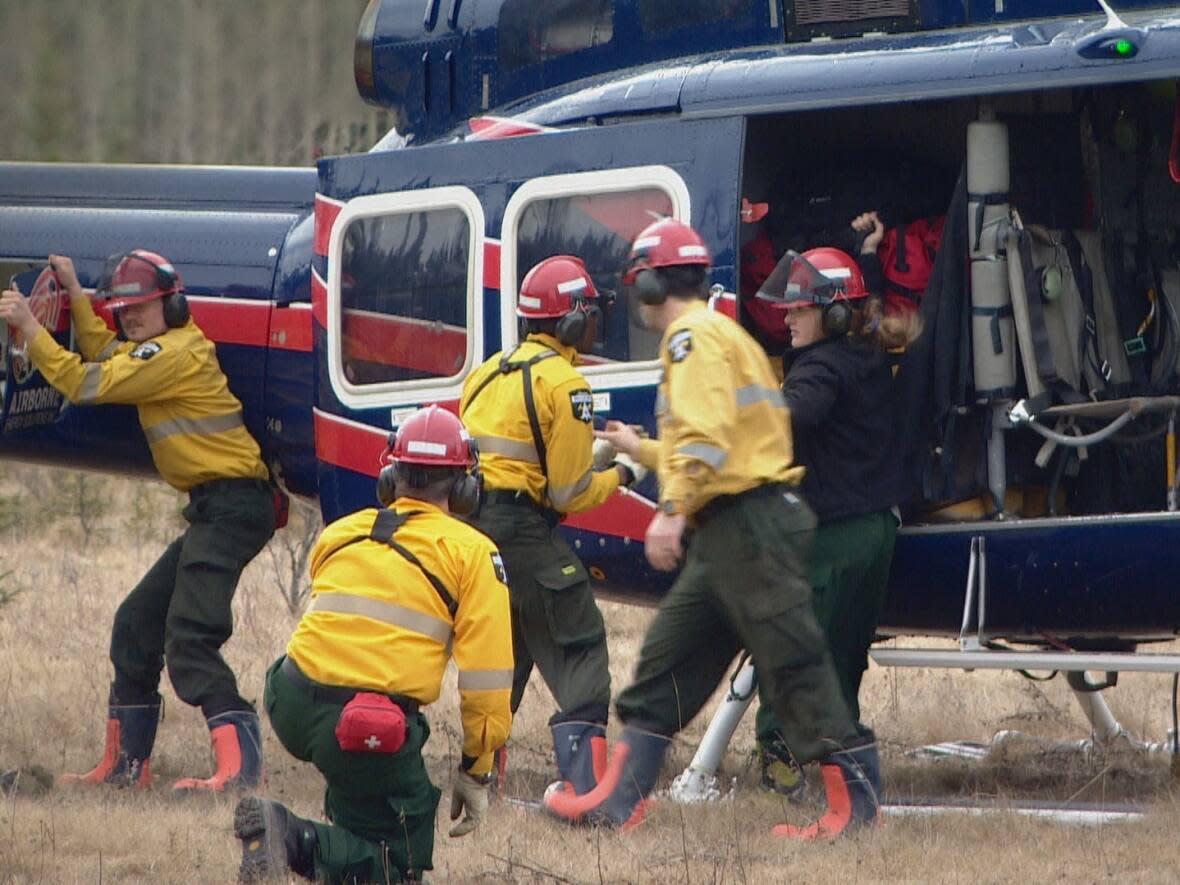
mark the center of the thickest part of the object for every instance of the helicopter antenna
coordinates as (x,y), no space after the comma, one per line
(1112,17)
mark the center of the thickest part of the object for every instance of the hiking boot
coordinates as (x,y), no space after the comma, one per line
(237,748)
(274,841)
(852,783)
(126,757)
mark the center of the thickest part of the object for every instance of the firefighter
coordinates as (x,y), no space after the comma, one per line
(532,414)
(396,592)
(839,390)
(179,613)
(724,462)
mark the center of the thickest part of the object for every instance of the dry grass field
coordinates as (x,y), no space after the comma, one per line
(71,546)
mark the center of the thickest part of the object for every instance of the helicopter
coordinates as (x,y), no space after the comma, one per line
(1038,406)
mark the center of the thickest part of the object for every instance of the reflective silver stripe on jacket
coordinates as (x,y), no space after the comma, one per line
(385,612)
(661,401)
(509,448)
(752,394)
(564,496)
(484,680)
(711,455)
(193,426)
(88,392)
(107,352)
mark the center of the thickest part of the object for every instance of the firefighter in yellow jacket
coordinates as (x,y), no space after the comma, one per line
(179,613)
(724,461)
(532,414)
(396,593)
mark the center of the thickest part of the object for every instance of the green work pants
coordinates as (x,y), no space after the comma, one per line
(743,585)
(556,623)
(381,805)
(849,571)
(180,611)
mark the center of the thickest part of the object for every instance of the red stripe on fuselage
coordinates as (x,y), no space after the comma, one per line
(290,329)
(232,322)
(491,264)
(326,210)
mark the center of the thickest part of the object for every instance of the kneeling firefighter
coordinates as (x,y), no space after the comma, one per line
(532,414)
(724,458)
(396,593)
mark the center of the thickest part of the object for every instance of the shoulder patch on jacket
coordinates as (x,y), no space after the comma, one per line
(498,565)
(680,345)
(582,402)
(146,351)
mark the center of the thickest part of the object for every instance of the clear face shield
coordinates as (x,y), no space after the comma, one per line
(796,282)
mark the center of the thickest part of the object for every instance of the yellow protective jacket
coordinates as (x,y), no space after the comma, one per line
(192,422)
(497,417)
(376,622)
(723,425)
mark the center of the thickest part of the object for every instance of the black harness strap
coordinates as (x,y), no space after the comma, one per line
(1084,277)
(384,529)
(525,367)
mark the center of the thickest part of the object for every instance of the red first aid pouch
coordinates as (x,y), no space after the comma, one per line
(371,723)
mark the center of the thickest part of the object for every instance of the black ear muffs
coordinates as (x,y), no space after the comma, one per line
(570,328)
(837,317)
(468,488)
(176,312)
(650,287)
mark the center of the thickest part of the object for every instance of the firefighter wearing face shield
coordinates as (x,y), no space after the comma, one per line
(396,593)
(179,613)
(532,414)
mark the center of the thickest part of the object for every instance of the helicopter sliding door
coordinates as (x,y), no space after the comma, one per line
(420,252)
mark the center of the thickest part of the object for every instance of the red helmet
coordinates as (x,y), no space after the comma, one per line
(841,272)
(137,276)
(665,243)
(555,287)
(431,437)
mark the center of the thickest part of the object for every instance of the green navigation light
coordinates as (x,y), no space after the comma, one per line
(1124,47)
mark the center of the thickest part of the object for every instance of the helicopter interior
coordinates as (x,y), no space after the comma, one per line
(1064,270)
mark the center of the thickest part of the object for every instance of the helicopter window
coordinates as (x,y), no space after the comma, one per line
(598,228)
(532,32)
(667,15)
(404,296)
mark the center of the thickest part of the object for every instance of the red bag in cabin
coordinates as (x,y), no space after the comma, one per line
(371,723)
(907,255)
(757,261)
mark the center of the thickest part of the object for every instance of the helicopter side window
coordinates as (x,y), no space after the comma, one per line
(403,291)
(667,15)
(532,32)
(598,228)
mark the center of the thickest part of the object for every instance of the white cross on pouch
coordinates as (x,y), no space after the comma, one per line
(372,742)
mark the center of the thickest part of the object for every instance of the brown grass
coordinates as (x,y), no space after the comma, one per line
(53,682)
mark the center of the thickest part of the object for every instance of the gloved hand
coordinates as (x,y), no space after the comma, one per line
(469,797)
(638,471)
(604,454)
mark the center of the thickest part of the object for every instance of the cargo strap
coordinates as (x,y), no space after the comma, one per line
(1084,277)
(981,201)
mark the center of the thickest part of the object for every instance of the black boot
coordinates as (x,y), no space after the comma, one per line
(620,798)
(580,748)
(131,734)
(852,781)
(273,841)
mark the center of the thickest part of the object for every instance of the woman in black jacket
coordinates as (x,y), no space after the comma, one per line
(839,391)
